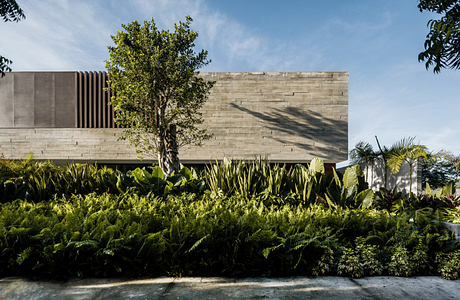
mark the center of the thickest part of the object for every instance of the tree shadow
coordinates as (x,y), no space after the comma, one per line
(375,176)
(306,129)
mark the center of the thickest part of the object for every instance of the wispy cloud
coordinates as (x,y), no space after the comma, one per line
(229,43)
(56,35)
(68,35)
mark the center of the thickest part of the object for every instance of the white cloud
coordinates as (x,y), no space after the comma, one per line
(56,35)
(229,43)
(69,35)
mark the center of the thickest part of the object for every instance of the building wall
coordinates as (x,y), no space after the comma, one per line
(37,99)
(375,177)
(286,117)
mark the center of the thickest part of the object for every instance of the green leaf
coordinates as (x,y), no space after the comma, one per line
(351,176)
(197,243)
(336,178)
(428,189)
(330,203)
(316,166)
(157,173)
(186,173)
(365,198)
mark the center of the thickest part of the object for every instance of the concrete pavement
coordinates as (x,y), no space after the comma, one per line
(426,287)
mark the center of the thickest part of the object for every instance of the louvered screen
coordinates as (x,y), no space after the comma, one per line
(93,110)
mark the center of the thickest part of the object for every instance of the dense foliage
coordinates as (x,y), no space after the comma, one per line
(438,172)
(442,44)
(234,219)
(109,235)
(157,91)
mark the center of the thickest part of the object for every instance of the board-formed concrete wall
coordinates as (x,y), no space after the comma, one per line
(285,117)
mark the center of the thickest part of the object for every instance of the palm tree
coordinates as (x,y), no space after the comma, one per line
(363,153)
(384,154)
(406,150)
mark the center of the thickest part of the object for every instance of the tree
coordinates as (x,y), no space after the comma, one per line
(442,170)
(158,93)
(406,151)
(384,154)
(442,44)
(364,154)
(10,12)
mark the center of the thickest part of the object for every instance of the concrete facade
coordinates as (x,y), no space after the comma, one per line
(375,177)
(37,99)
(286,117)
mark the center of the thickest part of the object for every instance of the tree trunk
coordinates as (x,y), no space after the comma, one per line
(168,152)
(410,179)
(385,176)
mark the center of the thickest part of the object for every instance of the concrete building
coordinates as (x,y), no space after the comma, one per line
(285,117)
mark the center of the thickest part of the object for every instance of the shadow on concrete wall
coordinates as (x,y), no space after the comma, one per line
(303,125)
(375,176)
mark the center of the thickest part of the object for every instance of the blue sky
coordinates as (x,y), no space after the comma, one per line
(391,95)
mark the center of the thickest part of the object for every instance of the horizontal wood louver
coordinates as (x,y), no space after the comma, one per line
(93,110)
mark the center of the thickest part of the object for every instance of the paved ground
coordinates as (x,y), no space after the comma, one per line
(222,288)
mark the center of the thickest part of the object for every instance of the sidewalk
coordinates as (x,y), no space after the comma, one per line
(428,287)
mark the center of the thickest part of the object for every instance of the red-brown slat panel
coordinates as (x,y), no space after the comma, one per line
(79,104)
(85,100)
(97,105)
(104,101)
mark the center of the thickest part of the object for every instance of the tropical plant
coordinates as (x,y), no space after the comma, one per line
(298,185)
(40,181)
(196,235)
(407,151)
(386,199)
(352,191)
(363,154)
(442,44)
(361,260)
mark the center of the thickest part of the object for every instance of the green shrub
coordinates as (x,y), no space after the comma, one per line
(254,220)
(198,235)
(401,264)
(449,264)
(360,261)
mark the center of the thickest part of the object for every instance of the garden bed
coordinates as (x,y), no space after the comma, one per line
(191,225)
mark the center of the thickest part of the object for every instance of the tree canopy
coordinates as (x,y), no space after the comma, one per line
(153,74)
(444,169)
(10,12)
(442,44)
